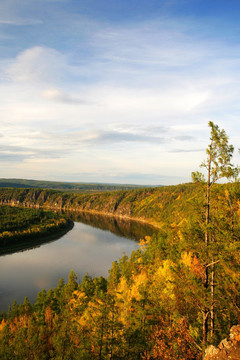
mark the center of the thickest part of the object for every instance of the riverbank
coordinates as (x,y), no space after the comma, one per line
(35,242)
(22,228)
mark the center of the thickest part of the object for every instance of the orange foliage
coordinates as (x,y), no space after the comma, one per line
(2,325)
(172,342)
(192,262)
(48,317)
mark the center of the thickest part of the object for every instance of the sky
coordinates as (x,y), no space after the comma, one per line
(116,91)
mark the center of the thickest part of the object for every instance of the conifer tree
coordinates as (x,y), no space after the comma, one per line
(218,165)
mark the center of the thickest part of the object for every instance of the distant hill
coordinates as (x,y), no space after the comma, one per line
(66,186)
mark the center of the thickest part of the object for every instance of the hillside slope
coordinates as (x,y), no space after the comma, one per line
(156,206)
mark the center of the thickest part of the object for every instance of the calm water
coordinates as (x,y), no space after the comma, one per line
(91,246)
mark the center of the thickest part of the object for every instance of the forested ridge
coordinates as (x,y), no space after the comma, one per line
(175,295)
(67,186)
(153,205)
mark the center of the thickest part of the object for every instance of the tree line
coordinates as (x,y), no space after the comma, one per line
(18,224)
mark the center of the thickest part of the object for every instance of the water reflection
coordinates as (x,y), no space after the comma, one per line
(84,249)
(32,243)
(134,230)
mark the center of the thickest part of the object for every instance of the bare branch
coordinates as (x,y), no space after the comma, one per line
(213,263)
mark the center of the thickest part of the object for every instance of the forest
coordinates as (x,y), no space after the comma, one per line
(67,186)
(21,227)
(175,295)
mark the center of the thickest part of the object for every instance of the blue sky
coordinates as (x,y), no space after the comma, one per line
(116,91)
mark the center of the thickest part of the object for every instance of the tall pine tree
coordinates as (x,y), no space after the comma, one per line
(218,165)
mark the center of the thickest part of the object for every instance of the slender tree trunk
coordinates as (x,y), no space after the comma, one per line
(212,301)
(207,219)
(112,331)
(205,326)
(101,343)
(232,212)
(205,280)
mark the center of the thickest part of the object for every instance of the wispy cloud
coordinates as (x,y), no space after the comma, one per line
(21,153)
(58,95)
(103,137)
(186,150)
(20,22)
(185,137)
(150,44)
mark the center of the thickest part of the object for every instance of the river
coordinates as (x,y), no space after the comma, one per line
(90,247)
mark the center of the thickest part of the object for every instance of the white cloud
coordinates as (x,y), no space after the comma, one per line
(162,102)
(58,95)
(37,64)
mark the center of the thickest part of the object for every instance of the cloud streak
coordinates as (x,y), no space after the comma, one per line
(56,94)
(20,22)
(104,137)
(186,150)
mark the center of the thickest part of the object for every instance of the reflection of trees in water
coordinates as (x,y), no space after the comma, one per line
(121,227)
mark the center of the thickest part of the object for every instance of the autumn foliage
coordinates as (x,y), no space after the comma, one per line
(151,305)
